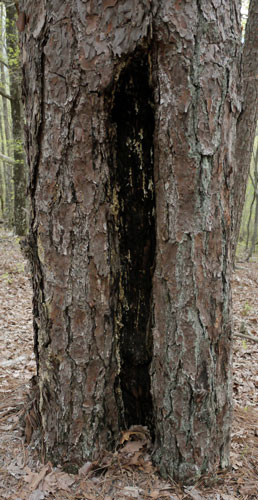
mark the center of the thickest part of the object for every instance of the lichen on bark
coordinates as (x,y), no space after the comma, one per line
(131,112)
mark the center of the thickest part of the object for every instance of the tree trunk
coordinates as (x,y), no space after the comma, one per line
(131,111)
(19,169)
(253,205)
(6,143)
(255,232)
(247,121)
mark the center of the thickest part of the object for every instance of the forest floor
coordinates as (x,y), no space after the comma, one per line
(128,473)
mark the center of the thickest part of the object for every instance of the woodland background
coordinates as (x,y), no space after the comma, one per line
(14,209)
(128,473)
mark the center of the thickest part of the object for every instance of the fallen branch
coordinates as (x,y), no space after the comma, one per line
(248,337)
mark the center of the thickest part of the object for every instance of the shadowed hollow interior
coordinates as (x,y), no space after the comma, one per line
(133,198)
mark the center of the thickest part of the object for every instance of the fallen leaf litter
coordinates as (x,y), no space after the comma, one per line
(128,473)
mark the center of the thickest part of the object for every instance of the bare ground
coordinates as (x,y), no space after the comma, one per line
(128,473)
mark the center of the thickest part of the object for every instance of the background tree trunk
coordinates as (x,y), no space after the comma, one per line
(6,135)
(131,111)
(253,175)
(247,121)
(20,176)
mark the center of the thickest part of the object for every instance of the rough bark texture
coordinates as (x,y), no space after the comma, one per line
(131,109)
(247,121)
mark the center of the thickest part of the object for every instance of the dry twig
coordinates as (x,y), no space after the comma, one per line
(244,336)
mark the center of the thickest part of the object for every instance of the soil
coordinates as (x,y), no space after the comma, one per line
(128,473)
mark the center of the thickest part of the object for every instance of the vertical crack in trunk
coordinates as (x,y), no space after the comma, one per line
(133,227)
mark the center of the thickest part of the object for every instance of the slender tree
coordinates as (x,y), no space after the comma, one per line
(254,205)
(6,133)
(19,169)
(247,121)
(131,112)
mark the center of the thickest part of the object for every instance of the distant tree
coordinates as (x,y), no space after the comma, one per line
(248,117)
(19,169)
(13,173)
(6,142)
(131,112)
(252,235)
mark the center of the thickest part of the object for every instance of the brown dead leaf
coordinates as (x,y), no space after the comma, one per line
(135,459)
(64,481)
(89,496)
(138,431)
(249,489)
(37,495)
(15,470)
(147,467)
(86,468)
(132,447)
(34,478)
(57,480)
(131,492)
(49,483)
(154,494)
(227,497)
(194,494)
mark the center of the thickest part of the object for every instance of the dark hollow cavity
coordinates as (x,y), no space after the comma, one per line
(132,182)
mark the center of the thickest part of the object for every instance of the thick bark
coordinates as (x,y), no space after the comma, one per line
(20,168)
(248,117)
(131,111)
